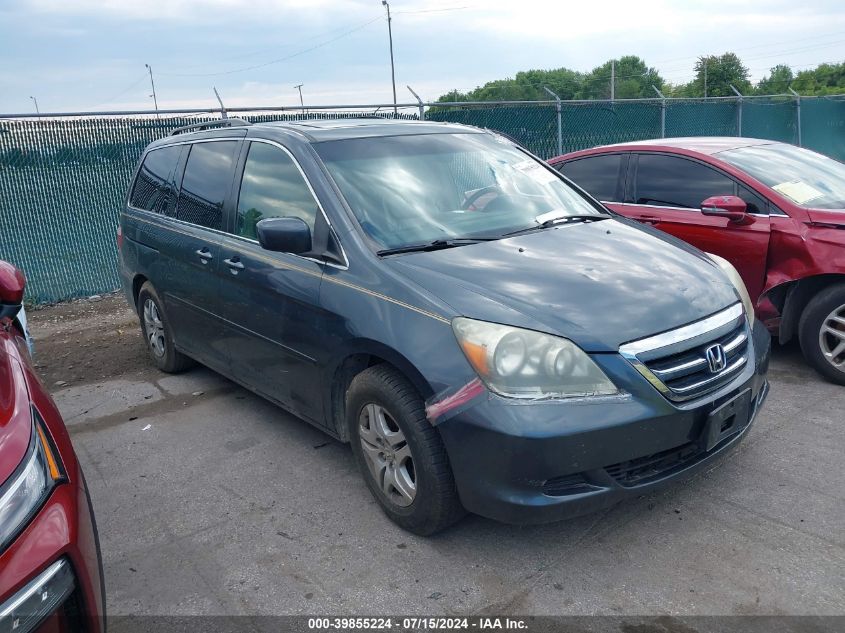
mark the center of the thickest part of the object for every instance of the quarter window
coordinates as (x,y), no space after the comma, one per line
(208,177)
(154,189)
(598,175)
(272,187)
(678,182)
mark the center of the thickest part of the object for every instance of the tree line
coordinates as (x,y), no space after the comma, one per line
(632,78)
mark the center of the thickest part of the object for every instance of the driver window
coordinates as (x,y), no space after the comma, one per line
(272,187)
(753,202)
(669,181)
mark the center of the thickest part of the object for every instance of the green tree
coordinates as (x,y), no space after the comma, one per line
(777,81)
(634,79)
(526,86)
(719,72)
(825,79)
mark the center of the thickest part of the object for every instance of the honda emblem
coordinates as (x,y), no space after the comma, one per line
(716,358)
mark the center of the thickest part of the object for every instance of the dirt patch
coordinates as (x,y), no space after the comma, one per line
(86,341)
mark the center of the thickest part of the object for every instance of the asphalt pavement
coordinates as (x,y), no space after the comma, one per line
(210,500)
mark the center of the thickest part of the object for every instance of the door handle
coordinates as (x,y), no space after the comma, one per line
(235,264)
(204,254)
(649,219)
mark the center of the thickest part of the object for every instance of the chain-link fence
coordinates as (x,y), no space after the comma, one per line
(63,181)
(63,178)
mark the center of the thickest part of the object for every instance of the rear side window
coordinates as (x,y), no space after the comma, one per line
(677,182)
(272,187)
(598,175)
(154,189)
(207,179)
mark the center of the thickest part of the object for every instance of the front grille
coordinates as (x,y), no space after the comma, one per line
(643,469)
(676,362)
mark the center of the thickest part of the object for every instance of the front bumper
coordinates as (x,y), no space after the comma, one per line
(57,559)
(38,600)
(546,461)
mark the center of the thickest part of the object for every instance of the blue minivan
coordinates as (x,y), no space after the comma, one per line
(486,336)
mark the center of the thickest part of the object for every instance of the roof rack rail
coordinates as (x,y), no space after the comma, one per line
(207,125)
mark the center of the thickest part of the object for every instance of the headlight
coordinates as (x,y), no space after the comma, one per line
(738,283)
(27,489)
(525,364)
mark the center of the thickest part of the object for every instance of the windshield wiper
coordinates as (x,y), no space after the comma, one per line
(436,245)
(563,219)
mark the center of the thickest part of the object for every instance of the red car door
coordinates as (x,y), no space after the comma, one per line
(667,191)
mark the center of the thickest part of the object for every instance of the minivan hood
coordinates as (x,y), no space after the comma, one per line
(599,284)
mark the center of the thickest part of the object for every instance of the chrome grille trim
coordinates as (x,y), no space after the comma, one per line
(682,334)
(740,362)
(680,370)
(739,340)
(674,362)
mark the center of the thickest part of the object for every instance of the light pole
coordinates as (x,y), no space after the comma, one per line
(153,84)
(301,102)
(35,101)
(392,71)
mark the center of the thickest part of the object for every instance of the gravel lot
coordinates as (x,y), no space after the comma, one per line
(212,501)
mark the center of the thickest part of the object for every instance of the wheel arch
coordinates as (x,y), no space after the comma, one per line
(137,281)
(359,355)
(791,297)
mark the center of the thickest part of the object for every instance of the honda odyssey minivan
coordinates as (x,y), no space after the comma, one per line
(486,336)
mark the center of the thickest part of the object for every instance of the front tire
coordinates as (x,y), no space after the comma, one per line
(399,453)
(155,328)
(821,331)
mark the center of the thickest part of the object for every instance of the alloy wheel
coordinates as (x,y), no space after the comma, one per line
(154,329)
(832,338)
(387,454)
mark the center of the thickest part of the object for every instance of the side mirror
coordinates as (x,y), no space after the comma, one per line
(284,235)
(12,284)
(731,207)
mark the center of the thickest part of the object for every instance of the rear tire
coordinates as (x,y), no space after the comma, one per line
(155,329)
(399,453)
(821,332)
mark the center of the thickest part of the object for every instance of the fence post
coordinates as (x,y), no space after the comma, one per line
(797,113)
(420,101)
(559,121)
(738,110)
(662,112)
(223,113)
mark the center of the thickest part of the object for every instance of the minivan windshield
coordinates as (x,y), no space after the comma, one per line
(807,178)
(417,189)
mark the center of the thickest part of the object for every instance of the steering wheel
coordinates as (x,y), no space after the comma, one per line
(473,197)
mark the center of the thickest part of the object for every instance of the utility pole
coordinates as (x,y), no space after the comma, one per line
(301,102)
(392,71)
(153,84)
(705,77)
(612,79)
(35,101)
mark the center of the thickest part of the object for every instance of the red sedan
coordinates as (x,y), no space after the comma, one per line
(50,568)
(775,211)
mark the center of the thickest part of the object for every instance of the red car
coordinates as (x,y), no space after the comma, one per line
(50,569)
(775,211)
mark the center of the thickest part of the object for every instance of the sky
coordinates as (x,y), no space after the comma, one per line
(90,55)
